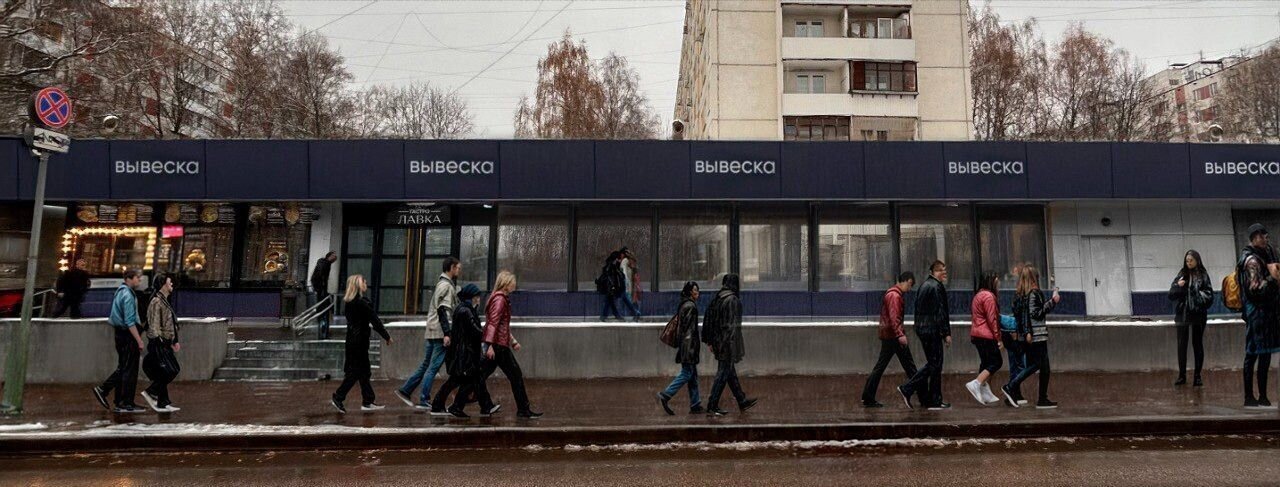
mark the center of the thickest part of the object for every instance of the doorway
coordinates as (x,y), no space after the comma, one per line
(410,267)
(1106,276)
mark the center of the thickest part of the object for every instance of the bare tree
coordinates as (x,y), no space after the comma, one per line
(1081,68)
(253,42)
(577,99)
(415,111)
(313,89)
(1127,117)
(1008,69)
(1250,103)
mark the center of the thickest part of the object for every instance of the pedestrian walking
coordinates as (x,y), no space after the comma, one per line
(984,333)
(124,322)
(933,327)
(161,363)
(1031,308)
(464,358)
(320,286)
(361,318)
(1014,348)
(631,277)
(611,285)
(722,332)
(1258,278)
(71,287)
(688,342)
(444,299)
(1192,295)
(500,345)
(893,340)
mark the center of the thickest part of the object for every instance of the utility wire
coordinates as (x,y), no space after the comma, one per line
(513,47)
(384,51)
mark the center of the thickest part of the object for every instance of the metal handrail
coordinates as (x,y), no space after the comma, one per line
(307,317)
(39,301)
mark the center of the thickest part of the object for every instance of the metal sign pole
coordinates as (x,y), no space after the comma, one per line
(15,368)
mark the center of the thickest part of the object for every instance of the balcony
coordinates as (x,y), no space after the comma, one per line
(856,104)
(848,48)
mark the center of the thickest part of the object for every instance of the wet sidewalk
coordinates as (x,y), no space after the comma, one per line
(259,415)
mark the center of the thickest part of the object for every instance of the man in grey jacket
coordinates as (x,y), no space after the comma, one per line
(443,301)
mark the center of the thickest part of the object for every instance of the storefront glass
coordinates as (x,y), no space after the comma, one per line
(694,245)
(854,249)
(196,244)
(602,230)
(774,247)
(944,233)
(111,238)
(276,245)
(474,254)
(533,243)
(1012,236)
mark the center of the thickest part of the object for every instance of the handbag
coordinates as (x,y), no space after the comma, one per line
(160,364)
(669,332)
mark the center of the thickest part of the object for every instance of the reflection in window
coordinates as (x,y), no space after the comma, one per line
(694,245)
(774,249)
(109,251)
(277,245)
(1012,236)
(944,233)
(533,243)
(196,255)
(604,230)
(855,252)
(474,254)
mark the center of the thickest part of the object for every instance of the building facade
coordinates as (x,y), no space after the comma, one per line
(814,229)
(1183,99)
(883,70)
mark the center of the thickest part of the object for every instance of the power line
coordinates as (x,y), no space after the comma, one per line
(343,16)
(438,48)
(461,12)
(384,51)
(1149,7)
(1184,17)
(513,47)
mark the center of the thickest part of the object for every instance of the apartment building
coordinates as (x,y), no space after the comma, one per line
(1184,98)
(825,70)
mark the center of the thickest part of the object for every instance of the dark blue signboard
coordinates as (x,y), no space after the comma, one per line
(357,169)
(735,170)
(822,170)
(559,170)
(1068,170)
(642,169)
(459,169)
(994,170)
(1237,171)
(144,169)
(82,173)
(257,169)
(905,170)
(1148,170)
(9,168)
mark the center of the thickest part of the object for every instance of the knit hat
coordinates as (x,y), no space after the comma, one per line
(469,291)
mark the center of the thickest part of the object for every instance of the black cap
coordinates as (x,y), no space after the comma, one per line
(1255,229)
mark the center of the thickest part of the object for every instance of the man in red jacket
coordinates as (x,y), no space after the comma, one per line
(893,342)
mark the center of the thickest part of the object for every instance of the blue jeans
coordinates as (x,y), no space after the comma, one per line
(1017,353)
(688,375)
(432,359)
(631,305)
(610,304)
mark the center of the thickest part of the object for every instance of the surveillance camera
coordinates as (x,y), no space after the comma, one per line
(110,123)
(677,130)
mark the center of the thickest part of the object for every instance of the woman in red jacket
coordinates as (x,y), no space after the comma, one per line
(985,335)
(500,347)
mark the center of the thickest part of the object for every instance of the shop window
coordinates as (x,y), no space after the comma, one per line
(277,245)
(533,244)
(694,245)
(602,230)
(930,233)
(855,252)
(196,244)
(109,251)
(1011,237)
(774,248)
(474,254)
(1241,220)
(359,255)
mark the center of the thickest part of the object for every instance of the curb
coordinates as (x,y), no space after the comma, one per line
(518,437)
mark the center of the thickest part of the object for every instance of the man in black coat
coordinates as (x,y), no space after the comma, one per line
(71,287)
(320,284)
(933,326)
(722,332)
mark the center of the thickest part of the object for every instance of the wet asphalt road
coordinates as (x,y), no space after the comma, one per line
(1199,461)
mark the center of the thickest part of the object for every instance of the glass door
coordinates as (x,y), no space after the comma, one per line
(394,270)
(409,266)
(436,245)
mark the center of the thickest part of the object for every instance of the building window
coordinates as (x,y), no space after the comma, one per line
(277,245)
(884,128)
(1012,237)
(694,243)
(930,233)
(774,248)
(1203,93)
(869,76)
(811,83)
(816,128)
(854,249)
(196,243)
(811,28)
(874,135)
(602,230)
(880,27)
(49,30)
(533,244)
(1209,114)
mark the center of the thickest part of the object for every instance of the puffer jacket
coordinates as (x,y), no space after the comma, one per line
(891,311)
(932,311)
(986,316)
(1031,310)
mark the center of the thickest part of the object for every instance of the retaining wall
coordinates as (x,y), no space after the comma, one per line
(83,351)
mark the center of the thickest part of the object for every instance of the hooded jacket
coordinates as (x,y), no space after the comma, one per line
(933,312)
(1260,294)
(722,328)
(688,350)
(463,357)
(891,311)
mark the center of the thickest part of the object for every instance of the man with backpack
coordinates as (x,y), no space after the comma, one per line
(125,322)
(610,285)
(1257,293)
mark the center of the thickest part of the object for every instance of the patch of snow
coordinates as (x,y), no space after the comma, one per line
(7,428)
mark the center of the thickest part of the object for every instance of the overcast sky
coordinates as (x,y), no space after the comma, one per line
(488,50)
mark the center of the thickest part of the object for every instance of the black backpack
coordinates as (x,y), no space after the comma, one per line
(604,283)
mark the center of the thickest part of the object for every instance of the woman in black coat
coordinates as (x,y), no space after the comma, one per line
(360,318)
(687,352)
(462,360)
(1192,295)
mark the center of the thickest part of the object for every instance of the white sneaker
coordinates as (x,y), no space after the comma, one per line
(404,397)
(151,401)
(987,395)
(1022,402)
(170,409)
(975,389)
(372,407)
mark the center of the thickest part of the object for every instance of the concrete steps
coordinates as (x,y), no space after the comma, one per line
(287,360)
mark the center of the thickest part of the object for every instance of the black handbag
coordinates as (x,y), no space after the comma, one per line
(160,364)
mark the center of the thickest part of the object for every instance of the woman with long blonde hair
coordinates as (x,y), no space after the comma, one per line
(1030,308)
(361,317)
(500,346)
